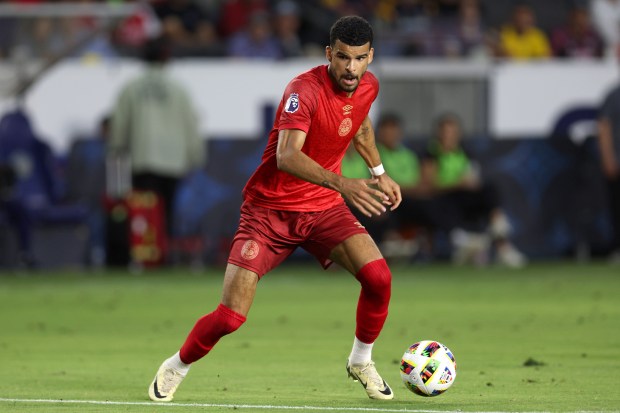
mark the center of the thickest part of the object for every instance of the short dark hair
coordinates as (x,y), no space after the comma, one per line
(352,31)
(445,119)
(389,118)
(156,50)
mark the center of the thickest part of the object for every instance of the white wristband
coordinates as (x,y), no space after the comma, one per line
(377,170)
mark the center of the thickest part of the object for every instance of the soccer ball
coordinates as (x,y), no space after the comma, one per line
(428,368)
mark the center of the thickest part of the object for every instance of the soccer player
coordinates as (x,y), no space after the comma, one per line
(296,198)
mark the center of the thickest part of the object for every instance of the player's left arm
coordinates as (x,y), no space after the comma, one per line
(365,145)
(361,193)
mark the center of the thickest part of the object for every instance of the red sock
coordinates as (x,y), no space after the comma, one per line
(208,331)
(372,307)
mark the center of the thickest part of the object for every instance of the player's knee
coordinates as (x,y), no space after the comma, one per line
(228,320)
(376,277)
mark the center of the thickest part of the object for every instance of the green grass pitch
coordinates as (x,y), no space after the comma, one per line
(99,337)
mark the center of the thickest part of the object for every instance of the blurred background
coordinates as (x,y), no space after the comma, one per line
(526,81)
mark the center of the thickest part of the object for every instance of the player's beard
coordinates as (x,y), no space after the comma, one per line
(348,87)
(339,81)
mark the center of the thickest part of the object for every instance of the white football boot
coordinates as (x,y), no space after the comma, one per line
(165,384)
(370,379)
(510,256)
(469,247)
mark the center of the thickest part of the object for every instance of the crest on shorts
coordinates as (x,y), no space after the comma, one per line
(250,249)
(292,103)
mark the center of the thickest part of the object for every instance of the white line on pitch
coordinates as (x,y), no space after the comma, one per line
(244,406)
(230,406)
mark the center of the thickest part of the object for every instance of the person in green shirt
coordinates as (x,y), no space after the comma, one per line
(418,208)
(455,177)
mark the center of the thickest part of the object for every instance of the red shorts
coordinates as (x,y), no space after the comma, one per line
(265,237)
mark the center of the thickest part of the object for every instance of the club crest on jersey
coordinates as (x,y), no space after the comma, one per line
(345,127)
(292,103)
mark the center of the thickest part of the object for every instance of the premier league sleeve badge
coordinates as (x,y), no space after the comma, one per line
(292,103)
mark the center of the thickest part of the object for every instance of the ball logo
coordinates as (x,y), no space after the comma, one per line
(345,127)
(250,250)
(292,103)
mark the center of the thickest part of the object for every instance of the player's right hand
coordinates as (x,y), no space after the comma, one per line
(363,195)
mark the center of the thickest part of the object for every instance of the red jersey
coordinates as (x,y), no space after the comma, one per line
(314,104)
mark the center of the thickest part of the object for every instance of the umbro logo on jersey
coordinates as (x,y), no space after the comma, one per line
(292,103)
(346,109)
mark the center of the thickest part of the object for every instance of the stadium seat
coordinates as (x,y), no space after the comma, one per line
(33,160)
(589,216)
(36,183)
(197,197)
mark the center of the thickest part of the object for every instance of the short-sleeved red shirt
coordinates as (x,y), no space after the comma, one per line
(314,104)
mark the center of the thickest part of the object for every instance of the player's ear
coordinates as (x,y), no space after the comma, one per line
(371,54)
(328,53)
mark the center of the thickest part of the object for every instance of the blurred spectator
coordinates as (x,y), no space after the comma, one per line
(353,165)
(472,203)
(286,28)
(132,32)
(424,208)
(458,35)
(154,122)
(413,22)
(208,43)
(7,36)
(403,166)
(86,180)
(257,40)
(188,28)
(444,8)
(40,38)
(12,207)
(403,163)
(348,7)
(472,34)
(401,27)
(317,15)
(521,39)
(29,190)
(235,15)
(417,209)
(609,146)
(86,37)
(606,19)
(436,28)
(50,37)
(577,39)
